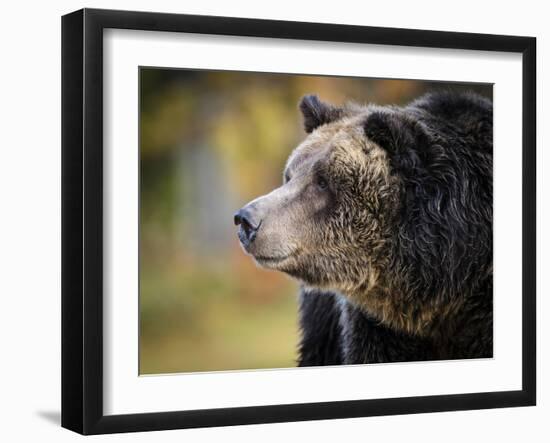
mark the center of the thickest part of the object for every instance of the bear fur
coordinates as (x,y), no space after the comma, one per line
(385,217)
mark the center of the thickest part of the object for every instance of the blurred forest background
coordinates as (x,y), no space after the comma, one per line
(210,141)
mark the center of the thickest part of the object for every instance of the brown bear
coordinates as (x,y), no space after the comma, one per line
(385,217)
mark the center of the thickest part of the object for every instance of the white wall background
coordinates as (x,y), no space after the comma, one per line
(30,219)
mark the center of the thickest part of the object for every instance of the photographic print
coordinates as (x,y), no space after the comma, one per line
(255,204)
(300,220)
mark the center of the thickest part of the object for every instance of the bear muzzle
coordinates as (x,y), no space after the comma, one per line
(248,225)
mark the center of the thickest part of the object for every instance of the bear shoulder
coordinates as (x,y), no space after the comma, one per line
(468,112)
(450,104)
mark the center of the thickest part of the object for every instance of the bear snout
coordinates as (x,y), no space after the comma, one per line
(248,225)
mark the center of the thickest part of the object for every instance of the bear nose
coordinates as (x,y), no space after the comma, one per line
(249,227)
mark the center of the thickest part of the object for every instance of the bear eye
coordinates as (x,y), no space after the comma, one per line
(286,178)
(322,182)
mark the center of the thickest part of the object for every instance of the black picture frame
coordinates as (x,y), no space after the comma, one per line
(82,221)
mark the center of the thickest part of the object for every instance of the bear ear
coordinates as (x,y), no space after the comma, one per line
(317,113)
(396,132)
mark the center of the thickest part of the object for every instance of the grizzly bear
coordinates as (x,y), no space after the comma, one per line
(385,217)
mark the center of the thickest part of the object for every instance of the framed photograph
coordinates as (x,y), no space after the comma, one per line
(269,221)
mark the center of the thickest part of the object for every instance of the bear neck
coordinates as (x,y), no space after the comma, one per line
(411,315)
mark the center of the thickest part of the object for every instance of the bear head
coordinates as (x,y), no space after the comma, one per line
(369,207)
